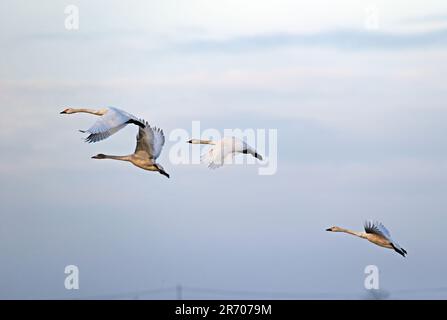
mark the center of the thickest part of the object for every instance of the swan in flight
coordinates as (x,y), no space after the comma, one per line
(223,150)
(150,141)
(111,121)
(376,233)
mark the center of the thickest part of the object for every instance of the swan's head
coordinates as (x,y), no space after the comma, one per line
(334,229)
(67,111)
(198,141)
(99,156)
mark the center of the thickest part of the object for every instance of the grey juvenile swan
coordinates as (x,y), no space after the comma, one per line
(376,233)
(111,121)
(150,141)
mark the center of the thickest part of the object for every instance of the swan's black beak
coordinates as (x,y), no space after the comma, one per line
(190,141)
(328,229)
(63,112)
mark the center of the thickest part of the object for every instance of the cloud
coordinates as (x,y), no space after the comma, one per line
(440,17)
(341,39)
(162,43)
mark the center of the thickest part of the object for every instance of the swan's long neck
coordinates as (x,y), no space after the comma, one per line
(91,111)
(198,141)
(121,158)
(354,233)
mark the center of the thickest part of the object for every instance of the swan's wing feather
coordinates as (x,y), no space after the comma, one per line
(212,158)
(95,137)
(377,228)
(157,142)
(150,141)
(219,154)
(111,122)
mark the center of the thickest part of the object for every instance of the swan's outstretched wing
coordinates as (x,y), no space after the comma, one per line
(111,122)
(220,153)
(214,158)
(378,228)
(150,141)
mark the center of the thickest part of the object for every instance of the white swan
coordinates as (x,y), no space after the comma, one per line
(111,121)
(223,149)
(150,142)
(376,233)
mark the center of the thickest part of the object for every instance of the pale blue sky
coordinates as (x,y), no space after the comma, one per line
(361,124)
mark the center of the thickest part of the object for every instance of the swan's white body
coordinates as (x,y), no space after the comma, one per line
(150,142)
(376,233)
(224,150)
(111,121)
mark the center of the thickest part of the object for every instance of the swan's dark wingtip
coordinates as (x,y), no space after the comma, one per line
(139,123)
(165,174)
(400,251)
